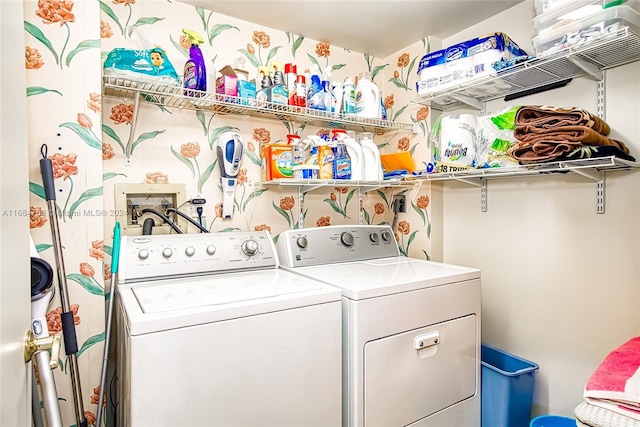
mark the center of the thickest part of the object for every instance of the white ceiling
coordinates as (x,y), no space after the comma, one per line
(377,27)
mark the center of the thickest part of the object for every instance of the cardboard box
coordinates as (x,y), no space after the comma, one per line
(227,82)
(247,92)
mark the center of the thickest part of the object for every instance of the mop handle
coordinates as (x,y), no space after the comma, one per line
(115,256)
(66,318)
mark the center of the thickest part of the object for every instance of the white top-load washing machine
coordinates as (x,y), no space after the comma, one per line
(411,328)
(212,333)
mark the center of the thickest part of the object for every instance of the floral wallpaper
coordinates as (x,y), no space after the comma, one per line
(86,135)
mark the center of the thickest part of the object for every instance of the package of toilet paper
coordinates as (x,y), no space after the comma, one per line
(464,61)
(454,140)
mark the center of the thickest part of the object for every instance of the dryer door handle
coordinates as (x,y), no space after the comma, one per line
(426,340)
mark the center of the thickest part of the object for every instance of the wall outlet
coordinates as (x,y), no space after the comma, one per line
(399,203)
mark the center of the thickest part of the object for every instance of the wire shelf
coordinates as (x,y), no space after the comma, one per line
(307,185)
(612,50)
(178,97)
(587,167)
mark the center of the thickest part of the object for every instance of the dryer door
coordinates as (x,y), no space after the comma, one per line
(411,375)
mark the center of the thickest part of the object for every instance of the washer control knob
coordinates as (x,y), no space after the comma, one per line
(143,254)
(250,247)
(374,237)
(189,251)
(167,252)
(211,250)
(386,236)
(346,239)
(302,242)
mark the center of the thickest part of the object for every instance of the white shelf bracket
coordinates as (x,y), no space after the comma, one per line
(483,196)
(360,212)
(132,130)
(587,67)
(472,102)
(602,94)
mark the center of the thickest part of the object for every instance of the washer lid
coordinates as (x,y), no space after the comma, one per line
(385,276)
(169,304)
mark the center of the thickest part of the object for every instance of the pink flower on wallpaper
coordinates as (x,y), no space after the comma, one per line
(97,250)
(107,151)
(156,178)
(32,58)
(53,318)
(95,102)
(105,30)
(37,217)
(64,165)
(84,121)
(87,270)
(53,11)
(122,113)
(107,271)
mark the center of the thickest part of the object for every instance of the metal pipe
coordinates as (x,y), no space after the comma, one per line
(48,389)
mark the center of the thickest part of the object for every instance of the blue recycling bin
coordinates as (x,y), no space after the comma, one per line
(507,388)
(552,421)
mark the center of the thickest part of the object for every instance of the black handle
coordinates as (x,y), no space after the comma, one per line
(46,169)
(69,333)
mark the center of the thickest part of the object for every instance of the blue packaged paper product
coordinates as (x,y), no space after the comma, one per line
(148,65)
(464,61)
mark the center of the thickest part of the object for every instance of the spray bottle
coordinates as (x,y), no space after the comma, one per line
(195,72)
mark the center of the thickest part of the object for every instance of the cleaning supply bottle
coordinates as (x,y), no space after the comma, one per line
(341,161)
(367,97)
(325,160)
(326,88)
(371,158)
(355,154)
(336,97)
(295,142)
(195,71)
(315,95)
(348,97)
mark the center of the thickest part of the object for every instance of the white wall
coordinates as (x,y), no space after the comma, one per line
(560,282)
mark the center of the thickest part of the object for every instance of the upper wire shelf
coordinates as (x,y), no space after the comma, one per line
(178,97)
(609,51)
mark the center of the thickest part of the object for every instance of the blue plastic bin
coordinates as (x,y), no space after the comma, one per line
(552,421)
(507,388)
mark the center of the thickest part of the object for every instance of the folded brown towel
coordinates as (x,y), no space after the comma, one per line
(565,134)
(541,151)
(551,117)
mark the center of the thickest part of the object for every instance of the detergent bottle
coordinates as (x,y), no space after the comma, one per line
(315,93)
(195,71)
(367,97)
(371,158)
(348,97)
(355,154)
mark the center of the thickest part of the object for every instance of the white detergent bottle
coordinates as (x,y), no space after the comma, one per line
(371,158)
(355,152)
(367,97)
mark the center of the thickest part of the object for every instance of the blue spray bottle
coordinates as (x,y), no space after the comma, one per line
(195,72)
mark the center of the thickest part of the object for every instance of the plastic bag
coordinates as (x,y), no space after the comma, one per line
(494,137)
(148,64)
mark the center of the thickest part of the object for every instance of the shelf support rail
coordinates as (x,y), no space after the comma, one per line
(132,130)
(590,69)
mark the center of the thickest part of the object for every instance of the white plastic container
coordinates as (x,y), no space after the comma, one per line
(587,29)
(367,97)
(570,13)
(355,153)
(371,158)
(543,6)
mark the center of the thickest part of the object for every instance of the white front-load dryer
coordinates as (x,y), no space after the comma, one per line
(411,328)
(212,333)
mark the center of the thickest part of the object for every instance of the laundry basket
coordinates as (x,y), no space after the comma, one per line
(552,421)
(507,388)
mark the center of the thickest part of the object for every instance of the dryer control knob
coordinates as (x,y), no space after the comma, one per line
(374,237)
(250,247)
(143,254)
(302,242)
(211,250)
(386,236)
(189,251)
(346,239)
(167,252)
